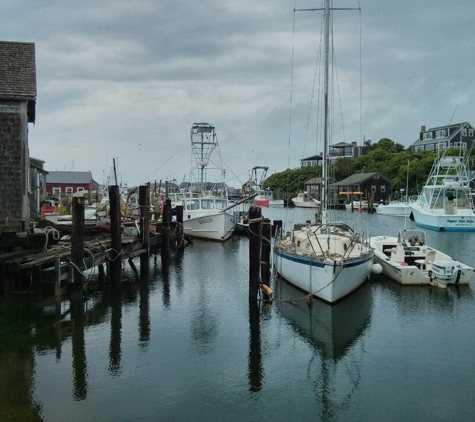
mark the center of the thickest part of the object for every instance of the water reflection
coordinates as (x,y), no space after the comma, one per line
(420,300)
(332,332)
(79,351)
(255,369)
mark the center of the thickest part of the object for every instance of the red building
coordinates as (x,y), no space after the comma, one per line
(62,184)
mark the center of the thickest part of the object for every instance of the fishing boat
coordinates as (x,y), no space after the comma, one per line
(408,260)
(326,260)
(262,197)
(207,214)
(446,200)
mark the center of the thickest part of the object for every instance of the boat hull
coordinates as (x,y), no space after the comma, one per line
(442,222)
(396,210)
(218,227)
(411,274)
(324,279)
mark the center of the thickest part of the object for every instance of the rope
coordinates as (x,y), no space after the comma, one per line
(56,235)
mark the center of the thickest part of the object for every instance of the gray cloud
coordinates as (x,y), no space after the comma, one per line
(127,79)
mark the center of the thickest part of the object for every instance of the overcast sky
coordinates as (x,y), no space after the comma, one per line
(127,79)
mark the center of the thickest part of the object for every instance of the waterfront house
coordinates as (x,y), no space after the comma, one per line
(372,185)
(62,184)
(335,151)
(443,137)
(17,109)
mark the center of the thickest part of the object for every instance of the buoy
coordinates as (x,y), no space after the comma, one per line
(376,268)
(266,290)
(359,209)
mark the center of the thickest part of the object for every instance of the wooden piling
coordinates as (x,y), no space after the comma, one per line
(179,228)
(166,218)
(254,251)
(265,245)
(77,245)
(277,228)
(115,266)
(144,203)
(57,284)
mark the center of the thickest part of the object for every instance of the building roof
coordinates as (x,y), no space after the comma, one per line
(18,73)
(358,178)
(72,177)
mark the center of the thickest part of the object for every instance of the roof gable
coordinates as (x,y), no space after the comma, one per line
(72,177)
(17,70)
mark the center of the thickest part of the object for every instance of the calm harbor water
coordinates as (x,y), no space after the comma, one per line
(178,342)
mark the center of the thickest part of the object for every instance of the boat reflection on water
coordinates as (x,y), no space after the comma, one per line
(335,335)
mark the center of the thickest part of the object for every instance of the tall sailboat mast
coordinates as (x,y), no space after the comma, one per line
(326,32)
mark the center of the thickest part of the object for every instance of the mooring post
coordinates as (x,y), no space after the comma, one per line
(57,284)
(144,203)
(77,244)
(179,228)
(115,266)
(254,251)
(166,220)
(277,228)
(266,242)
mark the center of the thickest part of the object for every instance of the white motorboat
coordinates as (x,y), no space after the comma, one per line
(446,200)
(326,260)
(407,259)
(304,200)
(395,208)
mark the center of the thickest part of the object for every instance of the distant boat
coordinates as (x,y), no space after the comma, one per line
(326,260)
(395,208)
(263,197)
(304,200)
(446,200)
(408,259)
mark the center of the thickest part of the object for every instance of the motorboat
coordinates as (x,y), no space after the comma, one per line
(394,208)
(304,200)
(446,200)
(408,260)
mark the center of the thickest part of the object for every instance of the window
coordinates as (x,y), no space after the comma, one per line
(80,189)
(430,147)
(441,145)
(470,132)
(427,135)
(376,176)
(56,192)
(441,133)
(69,191)
(464,132)
(373,188)
(383,188)
(418,148)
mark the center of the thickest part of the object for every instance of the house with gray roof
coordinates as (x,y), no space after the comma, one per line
(444,137)
(62,184)
(17,109)
(366,185)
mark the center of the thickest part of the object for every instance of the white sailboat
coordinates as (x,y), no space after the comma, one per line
(446,200)
(326,260)
(208,214)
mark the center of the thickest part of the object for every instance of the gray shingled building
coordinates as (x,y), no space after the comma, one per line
(17,109)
